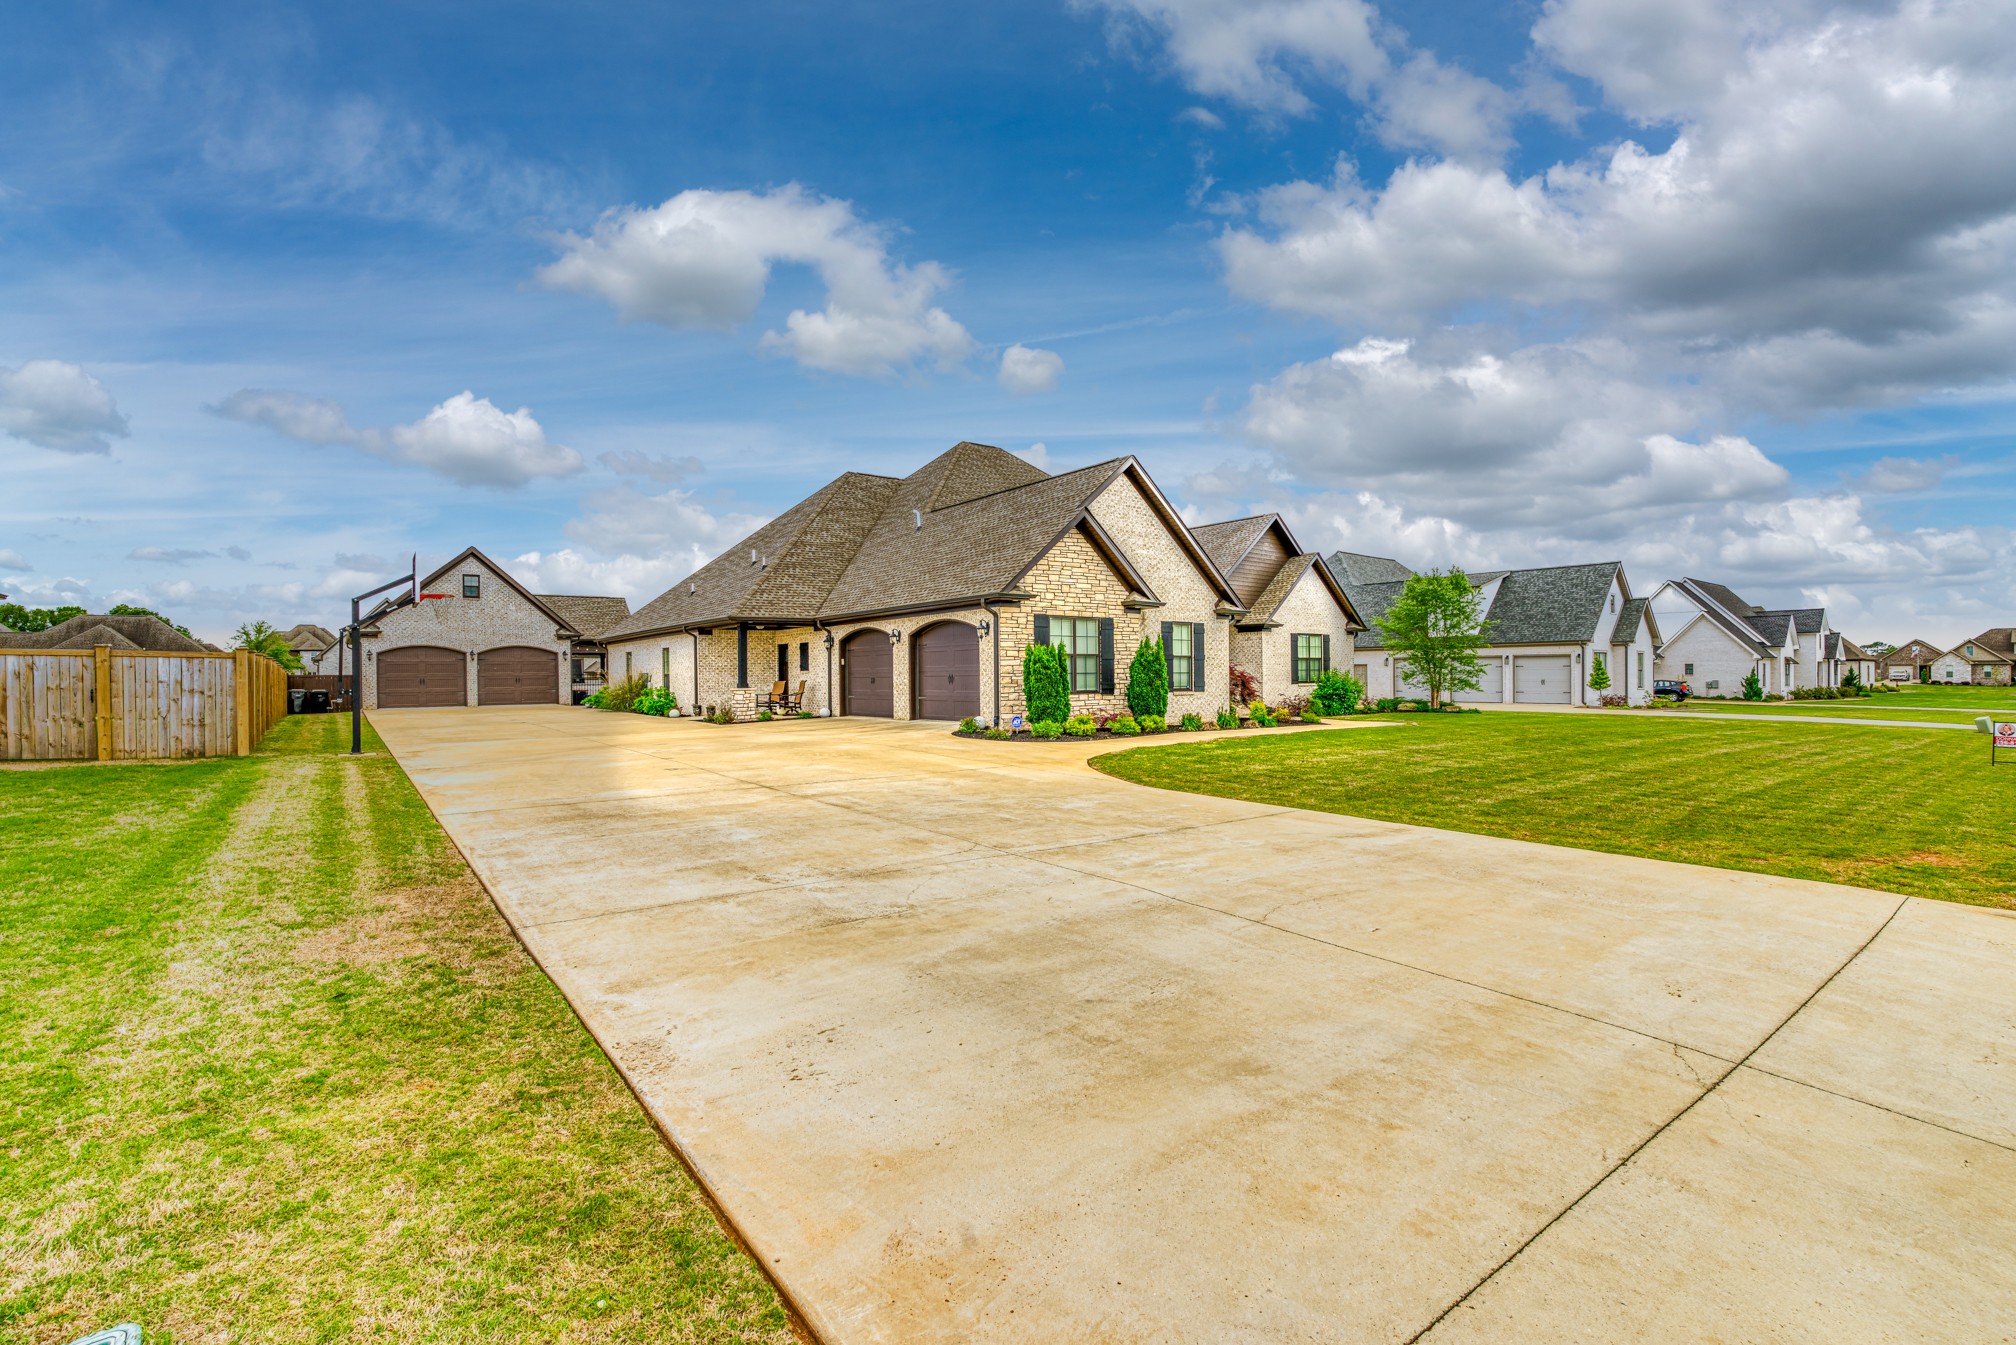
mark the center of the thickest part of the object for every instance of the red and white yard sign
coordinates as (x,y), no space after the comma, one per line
(2005,734)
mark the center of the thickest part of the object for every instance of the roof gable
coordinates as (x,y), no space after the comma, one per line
(1353,567)
(1554,604)
(121,632)
(470,553)
(590,616)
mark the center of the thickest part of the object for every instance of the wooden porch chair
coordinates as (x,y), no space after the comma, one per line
(793,704)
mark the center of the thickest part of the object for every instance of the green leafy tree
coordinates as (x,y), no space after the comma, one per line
(1436,626)
(1046,684)
(1336,693)
(260,638)
(127,609)
(1599,673)
(1148,681)
(26,619)
(1753,686)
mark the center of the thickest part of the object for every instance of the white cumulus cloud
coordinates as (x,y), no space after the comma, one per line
(55,404)
(704,258)
(467,438)
(1026,370)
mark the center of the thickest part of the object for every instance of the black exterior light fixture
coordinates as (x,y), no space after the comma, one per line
(984,628)
(895,637)
(829,639)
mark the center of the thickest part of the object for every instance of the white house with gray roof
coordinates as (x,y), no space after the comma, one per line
(1716,638)
(1550,628)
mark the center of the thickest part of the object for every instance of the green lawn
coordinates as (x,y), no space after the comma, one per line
(274,1070)
(1898,809)
(1885,707)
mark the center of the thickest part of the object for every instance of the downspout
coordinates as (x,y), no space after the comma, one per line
(994,624)
(695,703)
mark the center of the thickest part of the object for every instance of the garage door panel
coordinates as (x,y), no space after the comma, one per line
(420,676)
(1491,689)
(946,671)
(1546,680)
(517,675)
(869,675)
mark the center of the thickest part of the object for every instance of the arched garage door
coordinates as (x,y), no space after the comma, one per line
(868,674)
(421,675)
(945,671)
(518,675)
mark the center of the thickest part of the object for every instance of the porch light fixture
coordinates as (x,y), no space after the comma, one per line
(829,639)
(984,628)
(895,637)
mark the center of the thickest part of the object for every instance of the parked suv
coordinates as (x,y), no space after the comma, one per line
(1678,691)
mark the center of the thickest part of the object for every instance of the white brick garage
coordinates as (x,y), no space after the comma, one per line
(485,641)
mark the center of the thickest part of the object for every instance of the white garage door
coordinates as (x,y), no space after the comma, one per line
(1492,689)
(1543,681)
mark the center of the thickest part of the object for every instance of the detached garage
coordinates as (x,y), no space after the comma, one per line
(519,675)
(422,675)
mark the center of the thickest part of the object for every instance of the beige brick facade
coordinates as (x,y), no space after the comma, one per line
(499,617)
(1309,609)
(1187,595)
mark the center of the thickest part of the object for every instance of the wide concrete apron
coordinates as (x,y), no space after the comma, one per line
(969,1042)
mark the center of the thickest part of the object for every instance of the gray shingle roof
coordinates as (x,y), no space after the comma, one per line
(1999,641)
(1774,628)
(1555,604)
(308,636)
(121,632)
(1352,567)
(1278,588)
(1805,620)
(1629,617)
(1227,543)
(590,615)
(1371,602)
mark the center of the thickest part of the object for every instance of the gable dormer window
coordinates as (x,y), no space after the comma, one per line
(472,585)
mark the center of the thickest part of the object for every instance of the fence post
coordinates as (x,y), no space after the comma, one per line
(101,661)
(241,696)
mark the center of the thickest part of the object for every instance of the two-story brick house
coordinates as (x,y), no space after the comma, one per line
(915,597)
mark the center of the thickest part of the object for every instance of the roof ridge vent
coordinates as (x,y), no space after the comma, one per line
(918,514)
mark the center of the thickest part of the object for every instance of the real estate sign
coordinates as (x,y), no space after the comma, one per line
(2005,734)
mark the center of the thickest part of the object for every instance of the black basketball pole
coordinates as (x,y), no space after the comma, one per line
(412,582)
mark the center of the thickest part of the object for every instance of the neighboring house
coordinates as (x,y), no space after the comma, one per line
(1810,634)
(487,640)
(1298,619)
(1985,660)
(914,598)
(1909,662)
(593,618)
(120,632)
(1549,628)
(1713,639)
(308,643)
(1849,656)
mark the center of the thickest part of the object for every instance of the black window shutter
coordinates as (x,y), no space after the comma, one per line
(1168,658)
(1196,656)
(1042,635)
(1106,655)
(804,655)
(783,662)
(1326,653)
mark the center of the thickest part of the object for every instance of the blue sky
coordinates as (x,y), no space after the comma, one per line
(1723,292)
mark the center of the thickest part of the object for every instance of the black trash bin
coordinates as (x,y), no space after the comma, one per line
(315,703)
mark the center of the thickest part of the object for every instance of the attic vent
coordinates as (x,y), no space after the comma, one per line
(918,514)
(692,588)
(752,555)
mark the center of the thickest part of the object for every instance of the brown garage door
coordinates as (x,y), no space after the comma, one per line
(869,674)
(945,671)
(421,675)
(517,676)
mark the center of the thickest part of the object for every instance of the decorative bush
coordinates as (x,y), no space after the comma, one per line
(806,714)
(1311,717)
(724,715)
(623,695)
(1227,720)
(1153,724)
(654,701)
(1193,723)
(1851,682)
(1047,730)
(1081,726)
(1599,673)
(1148,680)
(998,734)
(969,725)
(1336,693)
(1124,725)
(1244,686)
(1257,709)
(764,716)
(1291,707)
(1615,699)
(1262,719)
(1388,704)
(1046,684)
(1753,688)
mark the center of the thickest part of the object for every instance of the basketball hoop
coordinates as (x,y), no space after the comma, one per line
(411,581)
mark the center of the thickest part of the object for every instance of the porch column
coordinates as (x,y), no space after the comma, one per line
(742,655)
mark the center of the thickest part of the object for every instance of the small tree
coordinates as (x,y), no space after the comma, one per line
(1599,673)
(261,638)
(1046,684)
(1851,682)
(1336,693)
(1437,626)
(1753,686)
(1148,681)
(1244,686)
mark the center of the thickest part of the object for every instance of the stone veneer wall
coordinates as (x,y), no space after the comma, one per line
(1309,609)
(499,618)
(1186,594)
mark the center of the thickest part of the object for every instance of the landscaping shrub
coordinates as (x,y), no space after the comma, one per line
(1311,717)
(622,695)
(1388,704)
(764,716)
(654,701)
(1599,674)
(806,714)
(1081,726)
(1244,686)
(1193,723)
(1336,693)
(1227,720)
(724,715)
(1148,680)
(1153,724)
(1291,707)
(1261,716)
(1046,684)
(998,734)
(1124,725)
(1614,699)
(969,725)
(1753,687)
(1851,682)
(1046,730)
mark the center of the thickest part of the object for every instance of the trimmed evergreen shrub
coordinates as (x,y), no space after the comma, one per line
(1046,684)
(1753,687)
(1081,726)
(1599,673)
(1148,680)
(1153,723)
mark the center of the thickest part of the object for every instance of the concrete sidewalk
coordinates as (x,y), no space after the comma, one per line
(971,1043)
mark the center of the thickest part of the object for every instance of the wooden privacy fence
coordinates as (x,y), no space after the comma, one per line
(108,704)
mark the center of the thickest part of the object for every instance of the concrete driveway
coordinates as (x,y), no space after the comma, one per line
(969,1042)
